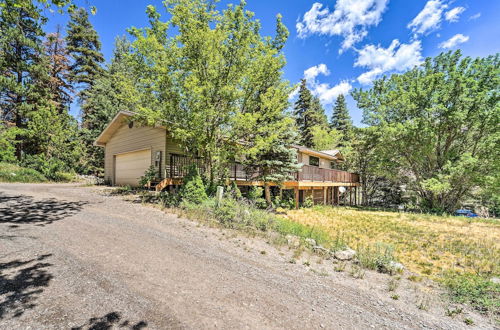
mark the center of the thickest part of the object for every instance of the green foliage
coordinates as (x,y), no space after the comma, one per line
(7,144)
(149,175)
(53,169)
(479,291)
(308,202)
(167,199)
(379,257)
(341,120)
(310,116)
(220,108)
(324,138)
(439,126)
(193,189)
(15,173)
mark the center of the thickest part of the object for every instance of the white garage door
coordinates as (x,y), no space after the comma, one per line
(129,167)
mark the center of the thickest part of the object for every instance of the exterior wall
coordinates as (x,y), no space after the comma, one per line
(128,139)
(323,163)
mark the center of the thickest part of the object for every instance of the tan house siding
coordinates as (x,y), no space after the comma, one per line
(172,147)
(127,139)
(323,163)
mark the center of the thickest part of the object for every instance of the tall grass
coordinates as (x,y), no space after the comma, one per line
(15,173)
(463,254)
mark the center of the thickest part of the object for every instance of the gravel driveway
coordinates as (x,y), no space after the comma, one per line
(71,257)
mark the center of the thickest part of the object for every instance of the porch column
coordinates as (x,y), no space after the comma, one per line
(325,193)
(296,197)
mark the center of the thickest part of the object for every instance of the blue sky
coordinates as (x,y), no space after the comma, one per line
(340,45)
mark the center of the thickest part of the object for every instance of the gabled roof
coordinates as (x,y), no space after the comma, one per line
(120,118)
(328,154)
(335,153)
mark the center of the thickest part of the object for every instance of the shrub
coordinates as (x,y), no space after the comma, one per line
(15,173)
(308,202)
(255,196)
(379,257)
(166,199)
(149,175)
(52,168)
(193,190)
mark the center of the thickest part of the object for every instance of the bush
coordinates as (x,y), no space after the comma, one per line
(193,190)
(308,202)
(379,257)
(52,168)
(166,199)
(15,173)
(149,175)
(480,292)
(255,196)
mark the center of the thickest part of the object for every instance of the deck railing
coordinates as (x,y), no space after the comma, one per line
(179,166)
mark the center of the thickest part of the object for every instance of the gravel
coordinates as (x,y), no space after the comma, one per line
(71,257)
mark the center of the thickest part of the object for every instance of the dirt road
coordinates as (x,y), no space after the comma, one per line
(73,258)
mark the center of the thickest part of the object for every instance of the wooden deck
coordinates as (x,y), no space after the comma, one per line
(309,177)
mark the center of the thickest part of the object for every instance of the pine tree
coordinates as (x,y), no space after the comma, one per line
(59,63)
(21,50)
(341,120)
(309,114)
(110,93)
(84,46)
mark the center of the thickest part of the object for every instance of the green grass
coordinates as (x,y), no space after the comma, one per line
(15,173)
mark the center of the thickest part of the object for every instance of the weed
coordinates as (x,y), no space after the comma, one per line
(423,301)
(340,267)
(468,321)
(357,271)
(263,252)
(452,312)
(306,263)
(395,297)
(292,261)
(480,292)
(415,278)
(392,285)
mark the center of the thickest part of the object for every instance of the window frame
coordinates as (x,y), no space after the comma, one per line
(311,158)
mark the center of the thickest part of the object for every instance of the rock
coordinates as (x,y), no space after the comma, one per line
(293,241)
(310,241)
(322,251)
(396,266)
(346,254)
(495,280)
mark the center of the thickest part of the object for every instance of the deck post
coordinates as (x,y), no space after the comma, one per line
(296,197)
(325,192)
(350,196)
(355,196)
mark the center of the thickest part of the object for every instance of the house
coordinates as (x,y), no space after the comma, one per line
(131,148)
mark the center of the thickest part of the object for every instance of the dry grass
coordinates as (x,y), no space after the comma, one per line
(428,245)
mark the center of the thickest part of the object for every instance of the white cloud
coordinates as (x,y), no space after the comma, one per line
(453,41)
(475,16)
(329,94)
(379,60)
(326,93)
(349,19)
(430,18)
(453,14)
(311,73)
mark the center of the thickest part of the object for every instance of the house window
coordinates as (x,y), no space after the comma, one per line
(333,165)
(313,161)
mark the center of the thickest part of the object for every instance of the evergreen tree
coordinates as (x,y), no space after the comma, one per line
(341,120)
(309,114)
(84,46)
(60,88)
(21,49)
(111,92)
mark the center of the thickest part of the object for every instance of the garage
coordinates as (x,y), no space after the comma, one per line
(130,166)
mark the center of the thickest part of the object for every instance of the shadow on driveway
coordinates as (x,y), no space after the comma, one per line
(21,282)
(110,320)
(20,209)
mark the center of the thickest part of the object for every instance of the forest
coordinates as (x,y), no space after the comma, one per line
(430,138)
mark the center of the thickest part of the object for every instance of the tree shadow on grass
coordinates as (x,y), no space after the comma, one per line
(110,320)
(19,209)
(21,282)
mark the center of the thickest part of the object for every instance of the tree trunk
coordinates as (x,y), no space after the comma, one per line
(267,193)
